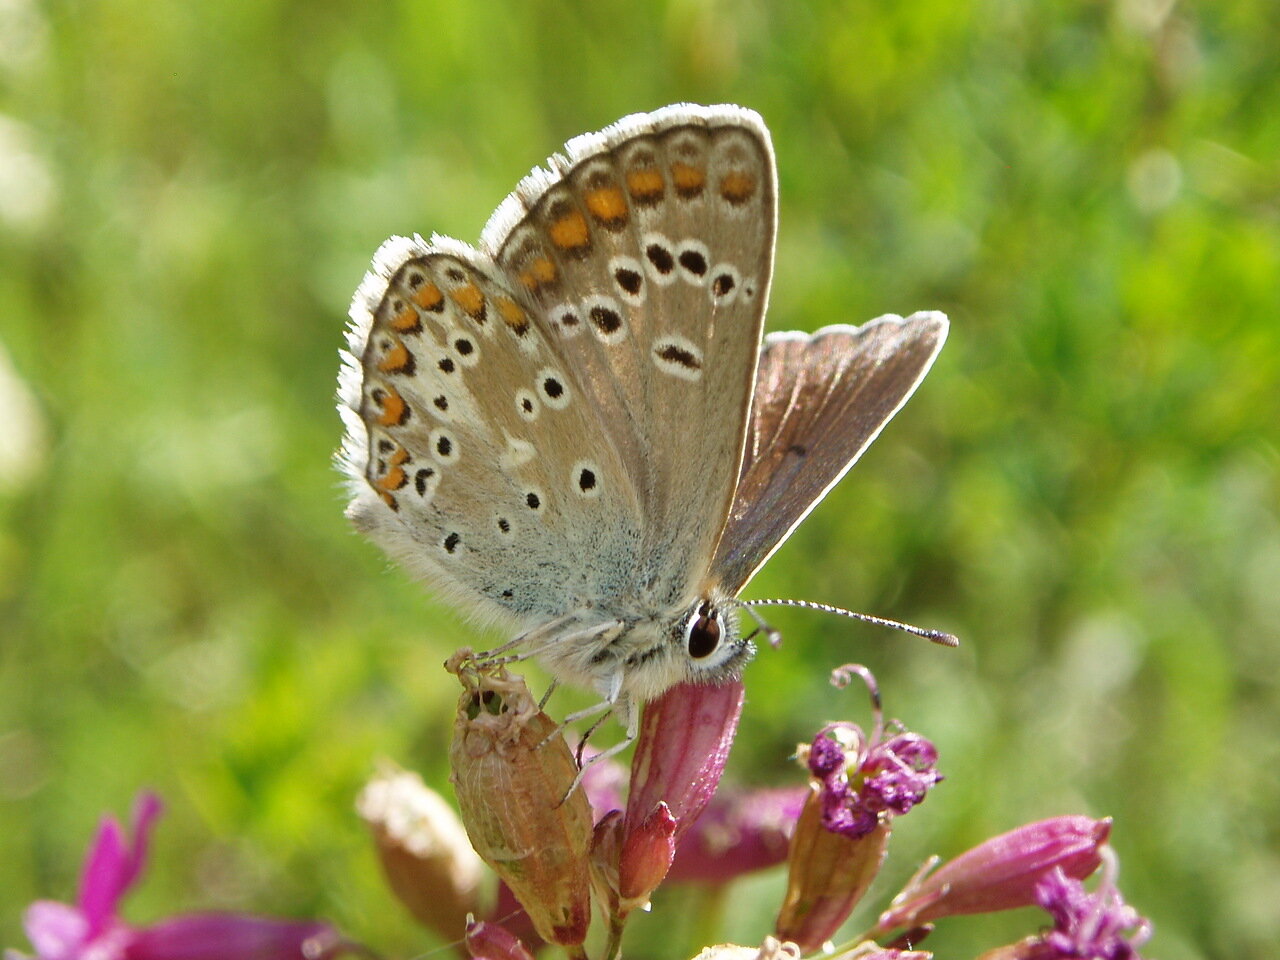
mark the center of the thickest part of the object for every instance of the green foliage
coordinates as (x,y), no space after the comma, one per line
(1085,488)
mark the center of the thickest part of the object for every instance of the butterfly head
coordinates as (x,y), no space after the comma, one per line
(713,646)
(702,643)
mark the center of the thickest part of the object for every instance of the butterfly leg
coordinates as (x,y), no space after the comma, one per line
(633,731)
(495,658)
(596,709)
(551,688)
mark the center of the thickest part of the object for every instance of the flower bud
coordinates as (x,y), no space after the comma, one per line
(1003,872)
(488,941)
(829,873)
(512,772)
(424,850)
(684,742)
(606,847)
(646,856)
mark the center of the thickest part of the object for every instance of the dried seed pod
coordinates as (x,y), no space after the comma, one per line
(424,850)
(512,771)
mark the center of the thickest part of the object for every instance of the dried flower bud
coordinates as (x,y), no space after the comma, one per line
(512,772)
(606,847)
(829,873)
(684,742)
(424,850)
(1003,872)
(488,941)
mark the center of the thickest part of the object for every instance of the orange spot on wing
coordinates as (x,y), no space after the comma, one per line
(688,179)
(470,299)
(540,271)
(645,184)
(570,232)
(388,499)
(406,321)
(398,359)
(394,410)
(513,315)
(607,204)
(737,186)
(429,297)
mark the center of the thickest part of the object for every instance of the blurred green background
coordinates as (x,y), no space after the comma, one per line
(1084,489)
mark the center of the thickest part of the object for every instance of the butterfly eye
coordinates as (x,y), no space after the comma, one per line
(705,634)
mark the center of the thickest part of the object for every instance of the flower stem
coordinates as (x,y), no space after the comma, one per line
(613,948)
(709,915)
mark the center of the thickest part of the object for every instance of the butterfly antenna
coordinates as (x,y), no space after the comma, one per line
(939,637)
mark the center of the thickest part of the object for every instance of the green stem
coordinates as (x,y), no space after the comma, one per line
(613,948)
(709,916)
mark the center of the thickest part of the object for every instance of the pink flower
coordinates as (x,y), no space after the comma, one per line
(93,930)
(1002,873)
(684,742)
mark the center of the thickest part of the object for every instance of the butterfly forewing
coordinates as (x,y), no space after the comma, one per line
(819,401)
(650,263)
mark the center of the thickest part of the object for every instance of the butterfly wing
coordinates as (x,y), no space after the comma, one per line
(554,422)
(649,256)
(819,402)
(472,456)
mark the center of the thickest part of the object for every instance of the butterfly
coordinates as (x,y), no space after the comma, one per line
(576,430)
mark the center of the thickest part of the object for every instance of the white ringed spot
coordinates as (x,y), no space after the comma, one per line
(659,258)
(527,405)
(726,281)
(628,278)
(693,258)
(551,387)
(605,317)
(444,446)
(678,356)
(567,319)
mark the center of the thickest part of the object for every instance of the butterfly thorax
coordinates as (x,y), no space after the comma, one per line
(634,657)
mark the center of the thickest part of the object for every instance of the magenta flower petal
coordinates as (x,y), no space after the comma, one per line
(739,832)
(1003,872)
(603,781)
(218,936)
(57,931)
(685,736)
(111,868)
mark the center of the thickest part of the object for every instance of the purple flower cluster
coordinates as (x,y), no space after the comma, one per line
(1090,925)
(888,777)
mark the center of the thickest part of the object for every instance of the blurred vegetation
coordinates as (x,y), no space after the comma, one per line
(1085,488)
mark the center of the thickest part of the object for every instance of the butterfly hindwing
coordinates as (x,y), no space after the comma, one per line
(819,401)
(466,441)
